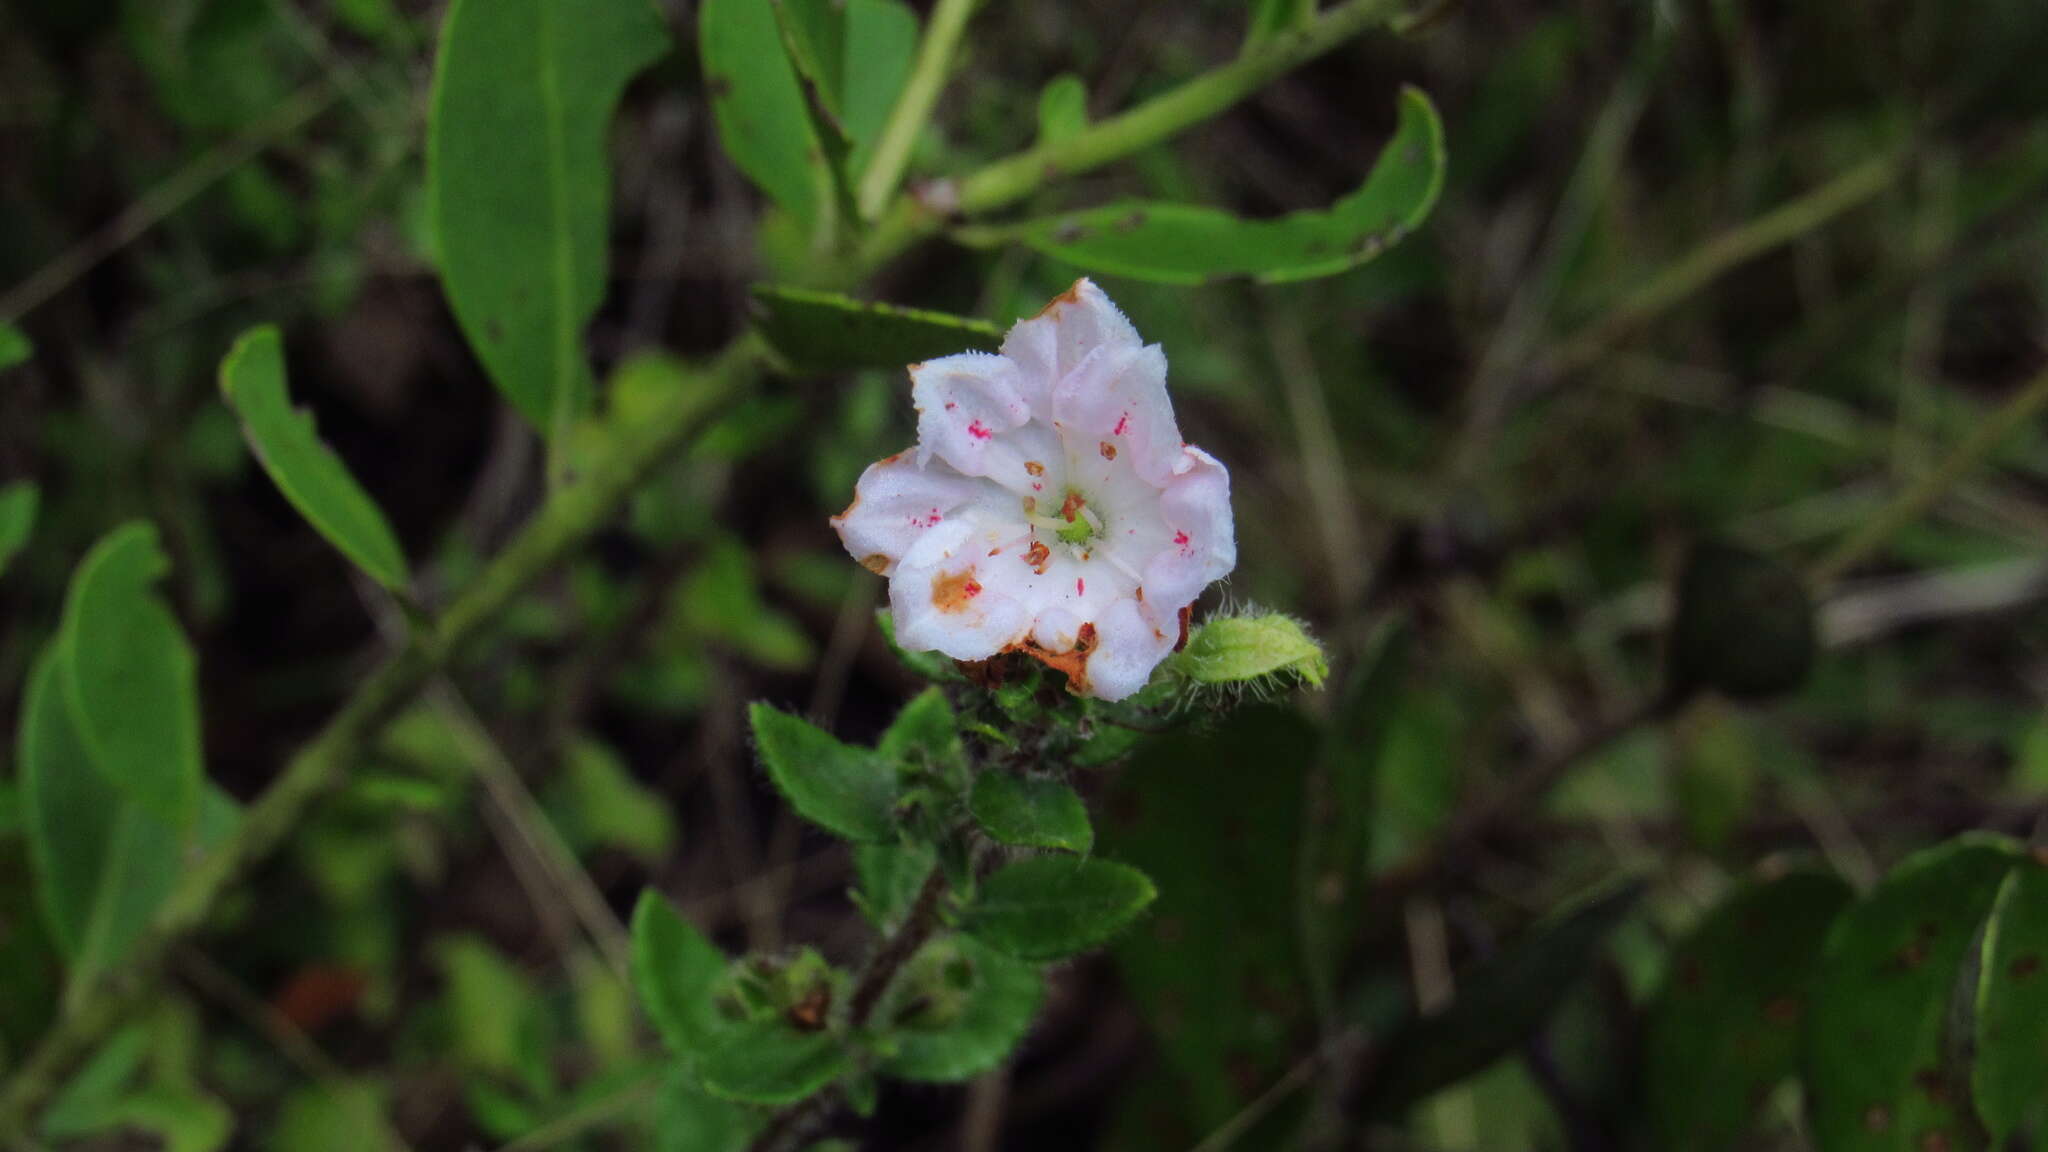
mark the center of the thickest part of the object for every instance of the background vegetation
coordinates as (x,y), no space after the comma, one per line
(1673,504)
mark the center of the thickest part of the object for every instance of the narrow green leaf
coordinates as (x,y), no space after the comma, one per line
(689,1119)
(758,103)
(14,347)
(1874,1047)
(768,1062)
(311,476)
(828,332)
(518,184)
(18,504)
(1190,244)
(881,41)
(1240,649)
(1033,811)
(1062,108)
(1051,907)
(1499,1004)
(848,791)
(130,676)
(959,1008)
(677,973)
(1743,625)
(2010,1076)
(1723,1032)
(1272,17)
(814,36)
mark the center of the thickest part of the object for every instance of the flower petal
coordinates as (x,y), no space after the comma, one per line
(1055,342)
(895,502)
(968,407)
(1196,506)
(945,599)
(1127,648)
(1117,396)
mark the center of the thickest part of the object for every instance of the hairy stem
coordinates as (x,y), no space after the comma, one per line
(914,105)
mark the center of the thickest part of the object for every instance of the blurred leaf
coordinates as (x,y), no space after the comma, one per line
(1716,770)
(600,803)
(18,504)
(677,973)
(82,1103)
(2010,1074)
(1499,1004)
(15,348)
(1238,649)
(1189,244)
(881,40)
(689,1119)
(1743,625)
(333,1116)
(186,1120)
(768,1062)
(1723,1031)
(1036,811)
(1062,109)
(925,726)
(213,64)
(758,104)
(957,1010)
(129,676)
(848,791)
(1272,17)
(828,332)
(1874,1049)
(488,1003)
(518,183)
(1051,907)
(890,876)
(311,476)
(722,600)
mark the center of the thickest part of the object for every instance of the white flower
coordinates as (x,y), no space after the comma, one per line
(1050,506)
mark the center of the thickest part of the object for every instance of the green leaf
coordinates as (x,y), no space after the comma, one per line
(490,1002)
(131,677)
(768,1062)
(1051,907)
(759,105)
(848,791)
(957,1010)
(2010,1076)
(1743,624)
(599,803)
(890,876)
(311,476)
(334,1116)
(1723,1031)
(1190,244)
(1272,17)
(14,347)
(518,185)
(1873,1050)
(1062,109)
(814,35)
(1240,649)
(1500,1003)
(677,973)
(881,41)
(1037,812)
(828,332)
(926,726)
(1716,770)
(18,504)
(689,1119)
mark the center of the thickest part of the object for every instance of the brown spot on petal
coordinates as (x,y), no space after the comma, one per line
(1071,296)
(951,593)
(1030,505)
(1038,556)
(876,563)
(1108,450)
(1034,467)
(1073,661)
(1186,611)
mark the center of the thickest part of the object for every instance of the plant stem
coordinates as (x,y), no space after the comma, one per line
(568,518)
(2030,401)
(913,109)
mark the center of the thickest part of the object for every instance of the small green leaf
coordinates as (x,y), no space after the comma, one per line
(890,876)
(1062,109)
(677,973)
(1743,625)
(848,791)
(1036,812)
(1874,1046)
(758,103)
(1051,907)
(2010,1075)
(599,803)
(957,1010)
(518,185)
(689,1119)
(1723,1032)
(1190,244)
(828,332)
(1272,17)
(335,1116)
(1239,649)
(14,347)
(768,1062)
(1499,1004)
(490,1002)
(131,677)
(18,504)
(925,726)
(311,476)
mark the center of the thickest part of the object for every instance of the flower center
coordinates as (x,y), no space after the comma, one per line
(1076,524)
